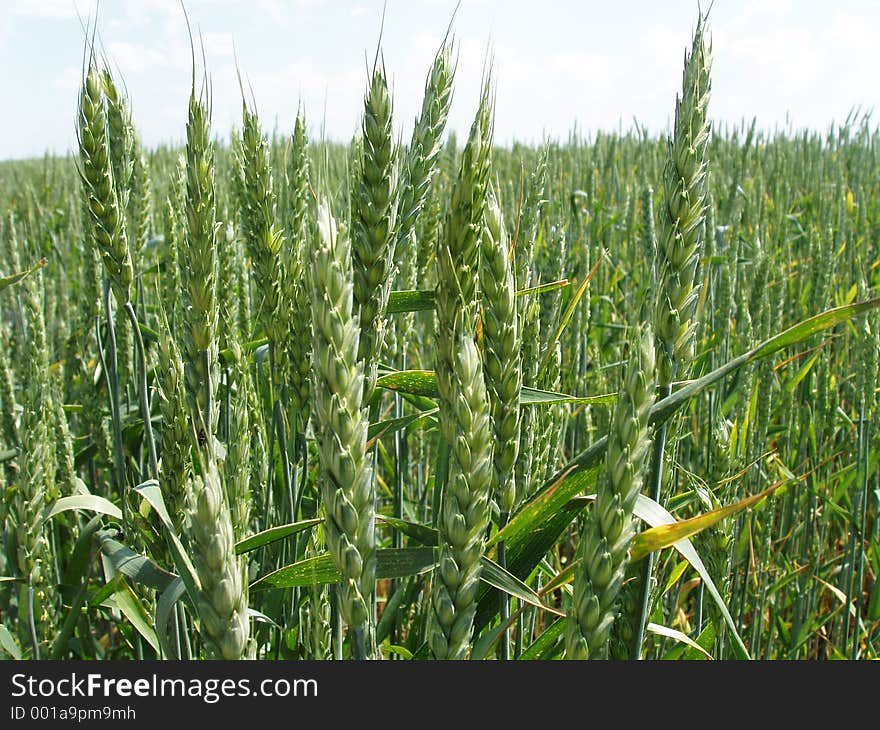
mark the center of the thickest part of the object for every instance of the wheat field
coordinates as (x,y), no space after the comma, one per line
(438,398)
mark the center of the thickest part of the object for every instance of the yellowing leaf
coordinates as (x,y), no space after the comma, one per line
(663,536)
(677,636)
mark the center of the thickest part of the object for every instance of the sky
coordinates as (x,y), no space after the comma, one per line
(558,65)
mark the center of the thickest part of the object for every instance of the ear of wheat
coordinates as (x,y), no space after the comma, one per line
(347,490)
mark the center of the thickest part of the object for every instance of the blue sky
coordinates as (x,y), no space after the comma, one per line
(557,63)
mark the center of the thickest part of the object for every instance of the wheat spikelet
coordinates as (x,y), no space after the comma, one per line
(222,590)
(501,352)
(262,236)
(296,277)
(458,255)
(465,511)
(374,219)
(681,215)
(609,529)
(347,490)
(199,257)
(106,216)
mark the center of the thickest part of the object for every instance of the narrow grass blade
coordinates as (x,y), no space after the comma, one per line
(534,396)
(90,502)
(134,611)
(410,301)
(150,491)
(390,563)
(6,281)
(677,636)
(654,514)
(422,300)
(137,567)
(812,325)
(273,534)
(548,639)
(420,533)
(664,536)
(499,578)
(77,566)
(424,383)
(541,288)
(393,425)
(414,382)
(164,610)
(7,643)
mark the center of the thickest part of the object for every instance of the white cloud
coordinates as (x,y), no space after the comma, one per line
(279,93)
(50,8)
(218,45)
(773,64)
(14,11)
(770,57)
(136,58)
(69,80)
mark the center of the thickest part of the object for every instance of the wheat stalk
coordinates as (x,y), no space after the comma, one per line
(679,249)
